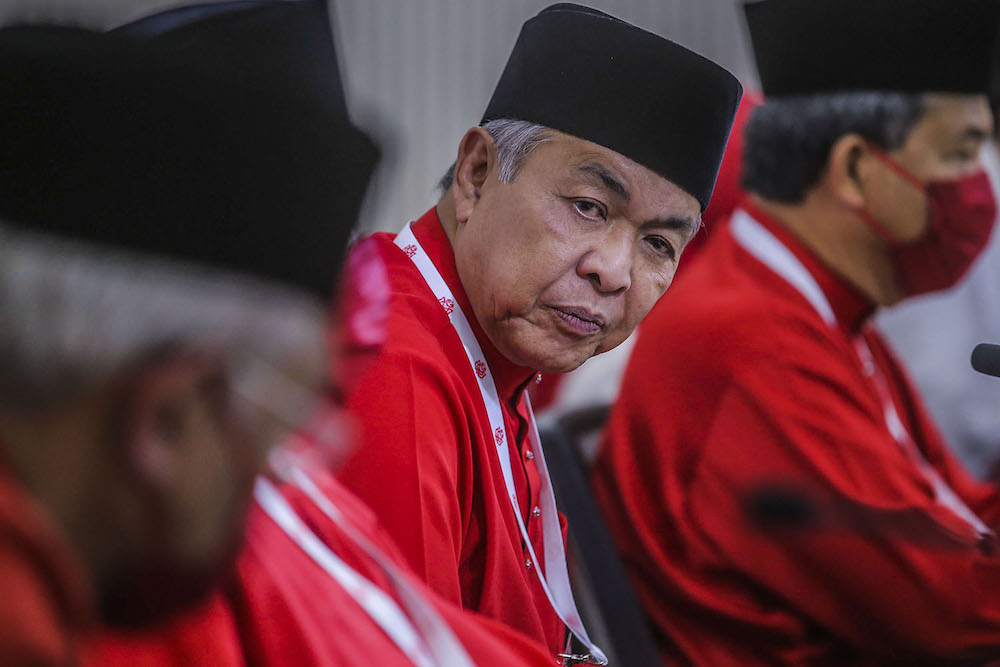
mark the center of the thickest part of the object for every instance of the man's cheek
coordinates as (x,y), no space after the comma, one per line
(612,339)
(647,296)
(630,320)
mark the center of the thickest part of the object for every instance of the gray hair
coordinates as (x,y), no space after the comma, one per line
(787,141)
(72,314)
(514,140)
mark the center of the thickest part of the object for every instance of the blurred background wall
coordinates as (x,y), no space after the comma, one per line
(420,72)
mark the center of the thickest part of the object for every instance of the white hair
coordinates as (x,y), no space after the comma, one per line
(514,141)
(72,314)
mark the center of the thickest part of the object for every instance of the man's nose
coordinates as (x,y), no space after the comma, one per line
(608,266)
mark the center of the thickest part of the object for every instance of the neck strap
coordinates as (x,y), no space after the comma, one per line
(555,579)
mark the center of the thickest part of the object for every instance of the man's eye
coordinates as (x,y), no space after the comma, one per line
(961,156)
(662,246)
(590,209)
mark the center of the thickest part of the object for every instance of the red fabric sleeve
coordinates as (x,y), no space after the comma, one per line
(487,640)
(203,637)
(875,559)
(409,473)
(982,497)
(31,631)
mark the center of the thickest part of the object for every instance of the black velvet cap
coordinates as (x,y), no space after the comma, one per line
(591,75)
(283,45)
(158,145)
(825,46)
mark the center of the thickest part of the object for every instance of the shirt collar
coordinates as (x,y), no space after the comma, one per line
(510,378)
(851,307)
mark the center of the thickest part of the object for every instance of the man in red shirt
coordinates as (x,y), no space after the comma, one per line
(317,582)
(561,225)
(348,599)
(770,475)
(151,307)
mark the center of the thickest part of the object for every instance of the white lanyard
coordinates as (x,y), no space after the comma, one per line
(555,579)
(763,245)
(379,606)
(444,645)
(943,493)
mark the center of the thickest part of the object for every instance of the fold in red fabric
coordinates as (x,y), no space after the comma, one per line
(738,387)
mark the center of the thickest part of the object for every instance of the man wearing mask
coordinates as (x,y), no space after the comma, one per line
(771,476)
(563,220)
(934,335)
(151,311)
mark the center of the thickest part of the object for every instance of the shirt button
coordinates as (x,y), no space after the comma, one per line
(536,511)
(527,563)
(529,455)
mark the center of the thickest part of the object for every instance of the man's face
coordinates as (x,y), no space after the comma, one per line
(563,262)
(208,427)
(260,404)
(945,144)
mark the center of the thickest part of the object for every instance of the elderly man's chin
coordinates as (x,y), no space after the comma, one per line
(548,350)
(566,360)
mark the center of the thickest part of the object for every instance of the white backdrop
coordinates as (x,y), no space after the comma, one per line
(420,72)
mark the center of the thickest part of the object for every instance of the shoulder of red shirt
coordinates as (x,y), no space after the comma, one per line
(46,600)
(412,304)
(729,312)
(418,321)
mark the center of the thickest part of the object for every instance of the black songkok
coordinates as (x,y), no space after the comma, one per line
(156,144)
(823,46)
(591,75)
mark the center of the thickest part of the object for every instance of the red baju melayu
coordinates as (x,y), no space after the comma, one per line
(283,608)
(428,461)
(46,605)
(766,506)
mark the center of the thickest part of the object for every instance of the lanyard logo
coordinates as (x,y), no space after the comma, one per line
(555,556)
(448,305)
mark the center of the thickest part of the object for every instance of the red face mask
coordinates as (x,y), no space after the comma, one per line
(962,215)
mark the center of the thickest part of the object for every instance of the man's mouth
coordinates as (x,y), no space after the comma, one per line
(578,321)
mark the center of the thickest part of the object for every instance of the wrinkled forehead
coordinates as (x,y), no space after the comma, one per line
(959,114)
(951,123)
(569,158)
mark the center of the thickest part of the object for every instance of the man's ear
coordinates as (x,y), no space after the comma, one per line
(846,169)
(476,157)
(158,411)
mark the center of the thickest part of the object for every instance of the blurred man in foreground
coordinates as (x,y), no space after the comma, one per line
(771,476)
(153,308)
(562,223)
(316,582)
